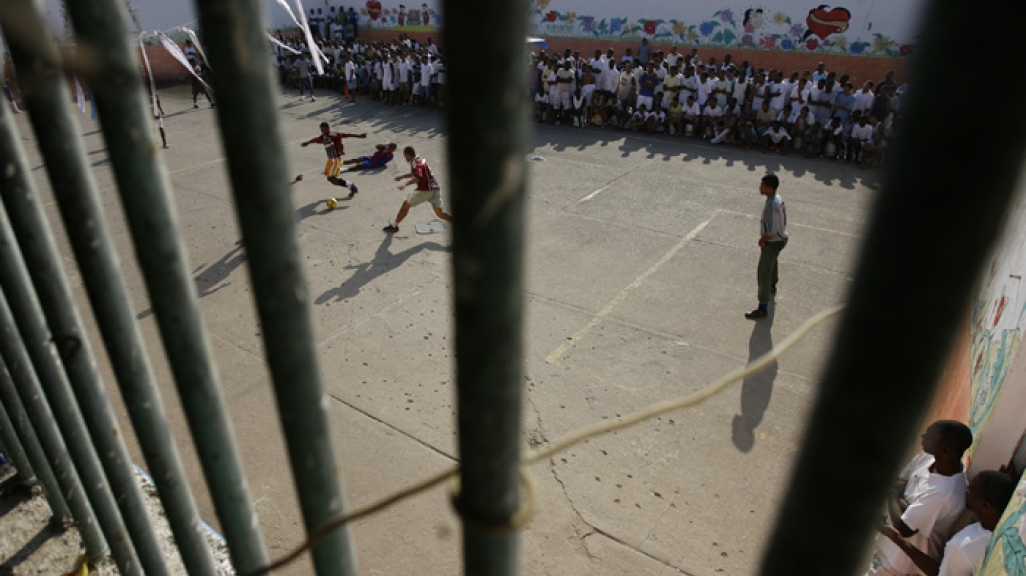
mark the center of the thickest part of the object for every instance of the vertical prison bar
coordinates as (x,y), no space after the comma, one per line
(11,446)
(40,345)
(108,66)
(21,426)
(933,226)
(488,178)
(241,71)
(46,93)
(18,364)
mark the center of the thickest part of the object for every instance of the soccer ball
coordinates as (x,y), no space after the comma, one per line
(332,203)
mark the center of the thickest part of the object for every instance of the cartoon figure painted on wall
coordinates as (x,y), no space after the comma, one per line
(822,21)
(753,20)
(425,14)
(374,11)
(402,15)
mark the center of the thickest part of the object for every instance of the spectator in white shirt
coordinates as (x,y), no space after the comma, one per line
(927,500)
(864,98)
(987,496)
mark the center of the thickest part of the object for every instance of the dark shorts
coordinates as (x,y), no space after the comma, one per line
(370,162)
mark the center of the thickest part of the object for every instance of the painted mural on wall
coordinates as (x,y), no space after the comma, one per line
(998,318)
(887,30)
(1006,552)
(425,17)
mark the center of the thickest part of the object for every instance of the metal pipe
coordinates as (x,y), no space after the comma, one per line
(45,92)
(26,434)
(144,192)
(11,446)
(488,179)
(934,224)
(16,362)
(100,30)
(241,69)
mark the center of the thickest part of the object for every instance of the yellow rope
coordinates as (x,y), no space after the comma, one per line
(523,515)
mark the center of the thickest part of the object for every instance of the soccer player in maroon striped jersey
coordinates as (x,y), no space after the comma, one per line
(333,147)
(427,189)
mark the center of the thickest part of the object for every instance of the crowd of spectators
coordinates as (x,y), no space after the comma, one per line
(401,72)
(820,113)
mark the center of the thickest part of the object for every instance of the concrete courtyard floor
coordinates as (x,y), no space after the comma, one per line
(641,256)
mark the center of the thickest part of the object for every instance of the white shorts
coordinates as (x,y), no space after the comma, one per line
(422,196)
(645,101)
(159,121)
(561,100)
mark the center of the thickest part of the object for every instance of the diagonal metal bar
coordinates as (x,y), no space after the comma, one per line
(45,92)
(21,426)
(246,92)
(143,190)
(933,225)
(100,30)
(11,446)
(17,362)
(488,178)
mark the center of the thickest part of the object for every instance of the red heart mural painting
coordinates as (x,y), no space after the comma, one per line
(823,22)
(374,9)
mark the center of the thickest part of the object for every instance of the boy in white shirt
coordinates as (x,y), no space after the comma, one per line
(987,496)
(927,500)
(692,116)
(710,114)
(776,139)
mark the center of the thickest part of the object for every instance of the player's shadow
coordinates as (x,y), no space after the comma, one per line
(382,262)
(210,278)
(311,209)
(756,389)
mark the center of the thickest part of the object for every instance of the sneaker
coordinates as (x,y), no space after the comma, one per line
(756,314)
(313,99)
(195,105)
(166,146)
(353,189)
(390,228)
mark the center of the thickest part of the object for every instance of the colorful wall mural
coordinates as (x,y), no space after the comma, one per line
(997,319)
(1006,553)
(856,28)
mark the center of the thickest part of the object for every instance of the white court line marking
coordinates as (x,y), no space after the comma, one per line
(606,187)
(615,302)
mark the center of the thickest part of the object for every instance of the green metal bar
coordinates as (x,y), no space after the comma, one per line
(488,184)
(144,192)
(246,92)
(21,426)
(45,91)
(933,227)
(16,361)
(12,447)
(100,31)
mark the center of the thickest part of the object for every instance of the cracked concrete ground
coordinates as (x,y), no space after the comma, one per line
(641,260)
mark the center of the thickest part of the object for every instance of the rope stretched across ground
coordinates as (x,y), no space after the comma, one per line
(526,511)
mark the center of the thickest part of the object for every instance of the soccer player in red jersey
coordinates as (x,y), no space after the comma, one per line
(427,189)
(333,147)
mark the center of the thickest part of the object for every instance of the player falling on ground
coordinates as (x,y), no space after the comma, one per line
(383,155)
(427,189)
(333,148)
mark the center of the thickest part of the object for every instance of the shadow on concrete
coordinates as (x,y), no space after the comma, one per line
(212,277)
(756,389)
(382,263)
(31,547)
